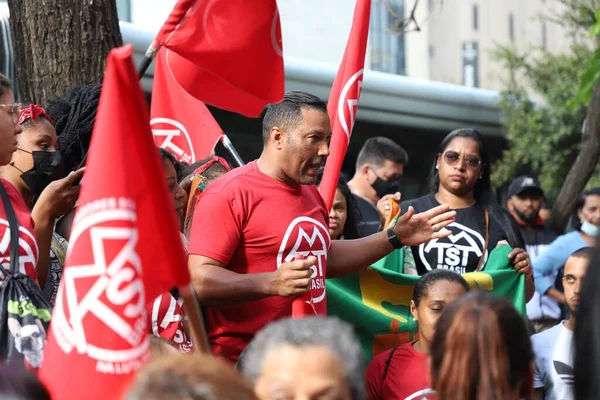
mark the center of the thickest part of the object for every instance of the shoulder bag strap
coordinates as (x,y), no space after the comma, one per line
(487,240)
(387,364)
(13,224)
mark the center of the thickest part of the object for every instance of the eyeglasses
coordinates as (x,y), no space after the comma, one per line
(14,110)
(451,158)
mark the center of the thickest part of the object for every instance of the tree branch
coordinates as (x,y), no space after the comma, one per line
(582,169)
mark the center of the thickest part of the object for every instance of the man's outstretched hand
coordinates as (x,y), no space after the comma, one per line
(413,229)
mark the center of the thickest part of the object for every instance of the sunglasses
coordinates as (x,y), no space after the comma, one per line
(14,110)
(451,158)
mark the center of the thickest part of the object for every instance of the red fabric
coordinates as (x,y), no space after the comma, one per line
(181,124)
(33,112)
(407,374)
(28,248)
(166,318)
(177,16)
(343,99)
(215,160)
(122,254)
(252,223)
(231,54)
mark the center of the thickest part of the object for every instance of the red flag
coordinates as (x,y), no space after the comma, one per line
(231,52)
(181,124)
(343,99)
(124,251)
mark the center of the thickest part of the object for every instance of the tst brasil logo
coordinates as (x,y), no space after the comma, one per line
(100,306)
(308,237)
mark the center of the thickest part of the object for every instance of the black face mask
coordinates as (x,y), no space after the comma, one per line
(385,187)
(44,171)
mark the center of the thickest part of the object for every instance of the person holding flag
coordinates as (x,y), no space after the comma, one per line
(256,219)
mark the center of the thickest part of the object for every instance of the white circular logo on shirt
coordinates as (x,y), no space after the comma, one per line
(453,252)
(308,237)
(28,250)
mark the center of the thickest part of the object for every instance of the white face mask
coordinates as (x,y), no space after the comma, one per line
(589,229)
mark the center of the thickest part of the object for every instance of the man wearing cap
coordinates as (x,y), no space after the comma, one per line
(525,199)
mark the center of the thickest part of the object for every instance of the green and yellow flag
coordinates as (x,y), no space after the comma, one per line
(377,301)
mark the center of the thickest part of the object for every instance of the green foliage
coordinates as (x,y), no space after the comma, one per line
(544,136)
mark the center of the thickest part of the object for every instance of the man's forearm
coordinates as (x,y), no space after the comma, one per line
(217,286)
(349,256)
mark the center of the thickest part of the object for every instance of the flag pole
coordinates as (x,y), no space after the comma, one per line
(194,316)
(229,146)
(148,58)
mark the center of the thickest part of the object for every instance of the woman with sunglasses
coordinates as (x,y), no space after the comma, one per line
(460,177)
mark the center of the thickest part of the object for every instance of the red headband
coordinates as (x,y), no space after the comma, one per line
(208,164)
(33,112)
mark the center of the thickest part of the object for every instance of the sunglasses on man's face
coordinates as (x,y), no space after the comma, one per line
(451,158)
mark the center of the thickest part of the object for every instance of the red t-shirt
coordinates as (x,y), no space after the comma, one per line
(28,248)
(253,223)
(407,374)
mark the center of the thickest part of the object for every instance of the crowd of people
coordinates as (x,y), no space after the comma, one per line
(259,237)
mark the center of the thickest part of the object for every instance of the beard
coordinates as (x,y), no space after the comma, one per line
(527,218)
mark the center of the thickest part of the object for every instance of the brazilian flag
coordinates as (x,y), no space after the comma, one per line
(377,301)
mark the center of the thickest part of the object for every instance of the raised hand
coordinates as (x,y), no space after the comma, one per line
(413,229)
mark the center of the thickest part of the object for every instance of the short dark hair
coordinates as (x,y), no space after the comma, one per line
(378,149)
(5,85)
(429,279)
(575,222)
(584,252)
(287,113)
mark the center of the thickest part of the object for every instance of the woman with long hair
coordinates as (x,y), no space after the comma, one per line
(402,372)
(481,351)
(460,177)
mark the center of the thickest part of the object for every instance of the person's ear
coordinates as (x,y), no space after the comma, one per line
(413,311)
(276,136)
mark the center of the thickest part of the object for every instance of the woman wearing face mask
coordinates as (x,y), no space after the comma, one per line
(33,171)
(402,372)
(460,177)
(585,222)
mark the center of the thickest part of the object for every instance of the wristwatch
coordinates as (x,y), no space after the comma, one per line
(391,234)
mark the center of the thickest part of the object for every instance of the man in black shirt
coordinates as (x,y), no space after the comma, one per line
(379,165)
(525,199)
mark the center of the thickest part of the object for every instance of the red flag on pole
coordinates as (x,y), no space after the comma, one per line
(124,251)
(343,99)
(181,124)
(231,52)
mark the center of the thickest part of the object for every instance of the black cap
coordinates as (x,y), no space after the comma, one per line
(523,183)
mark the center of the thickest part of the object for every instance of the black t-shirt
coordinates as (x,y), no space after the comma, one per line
(461,251)
(368,219)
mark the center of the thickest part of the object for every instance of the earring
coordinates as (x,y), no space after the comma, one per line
(437,167)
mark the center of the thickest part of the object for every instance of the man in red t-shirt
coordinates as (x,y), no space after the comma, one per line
(251,223)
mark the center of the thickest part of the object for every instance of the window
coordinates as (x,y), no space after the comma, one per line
(475,17)
(511,26)
(387,46)
(544,35)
